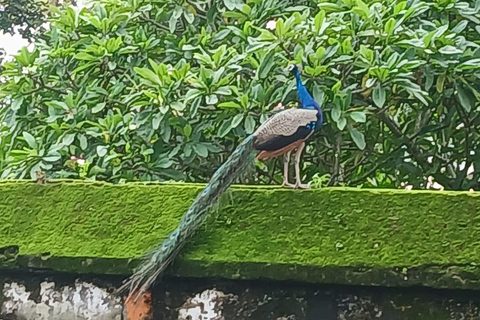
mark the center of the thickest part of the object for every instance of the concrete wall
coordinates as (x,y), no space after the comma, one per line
(296,239)
(27,296)
(80,300)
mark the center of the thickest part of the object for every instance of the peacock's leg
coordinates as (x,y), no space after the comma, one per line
(286,161)
(298,154)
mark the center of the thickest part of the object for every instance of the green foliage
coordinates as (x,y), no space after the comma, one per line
(2,56)
(154,90)
(24,16)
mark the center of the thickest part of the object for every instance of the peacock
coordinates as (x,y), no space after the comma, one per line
(281,134)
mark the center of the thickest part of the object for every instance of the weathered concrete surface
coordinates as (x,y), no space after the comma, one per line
(48,301)
(26,296)
(337,236)
(258,300)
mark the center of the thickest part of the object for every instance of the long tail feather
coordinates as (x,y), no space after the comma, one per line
(157,261)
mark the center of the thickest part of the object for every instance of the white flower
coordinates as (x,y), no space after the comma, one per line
(409,187)
(132,126)
(271,24)
(81,162)
(46,25)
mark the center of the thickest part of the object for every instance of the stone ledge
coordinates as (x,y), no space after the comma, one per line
(338,235)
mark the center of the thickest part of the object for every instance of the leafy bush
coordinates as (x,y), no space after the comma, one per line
(23,16)
(153,90)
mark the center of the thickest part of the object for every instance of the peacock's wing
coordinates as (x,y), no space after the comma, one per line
(284,128)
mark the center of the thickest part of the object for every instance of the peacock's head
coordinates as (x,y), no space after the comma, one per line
(293,68)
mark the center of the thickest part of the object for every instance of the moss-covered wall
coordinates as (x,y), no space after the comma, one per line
(353,236)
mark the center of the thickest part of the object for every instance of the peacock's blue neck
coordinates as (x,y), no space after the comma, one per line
(307,100)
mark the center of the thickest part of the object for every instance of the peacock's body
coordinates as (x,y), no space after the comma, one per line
(281,134)
(288,130)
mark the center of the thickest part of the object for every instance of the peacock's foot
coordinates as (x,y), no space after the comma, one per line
(287,184)
(300,185)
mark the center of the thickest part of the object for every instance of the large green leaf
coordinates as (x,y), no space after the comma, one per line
(358,137)
(450,50)
(465,97)
(249,124)
(358,116)
(225,128)
(99,107)
(200,149)
(379,95)
(29,139)
(336,113)
(187,131)
(102,150)
(148,74)
(237,120)
(266,65)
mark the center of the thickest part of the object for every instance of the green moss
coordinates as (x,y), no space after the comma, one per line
(335,235)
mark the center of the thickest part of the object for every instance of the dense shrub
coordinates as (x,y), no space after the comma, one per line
(154,90)
(25,17)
